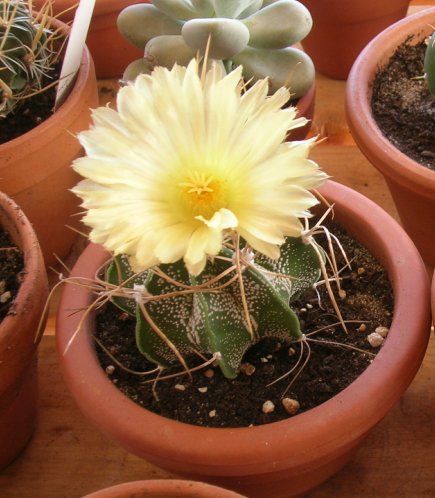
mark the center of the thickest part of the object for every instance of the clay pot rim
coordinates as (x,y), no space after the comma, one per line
(22,234)
(67,107)
(183,488)
(272,441)
(358,109)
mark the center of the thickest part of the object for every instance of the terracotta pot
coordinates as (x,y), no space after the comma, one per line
(412,186)
(35,168)
(18,344)
(110,51)
(433,298)
(342,28)
(305,107)
(285,458)
(169,488)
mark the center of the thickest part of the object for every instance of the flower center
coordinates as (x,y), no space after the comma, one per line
(202,193)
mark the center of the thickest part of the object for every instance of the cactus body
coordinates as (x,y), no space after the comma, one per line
(26,54)
(231,30)
(214,322)
(429,64)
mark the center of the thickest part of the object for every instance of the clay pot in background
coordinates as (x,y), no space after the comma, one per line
(35,168)
(282,459)
(412,185)
(18,341)
(341,29)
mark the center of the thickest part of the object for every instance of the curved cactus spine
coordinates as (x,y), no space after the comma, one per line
(210,317)
(26,52)
(255,31)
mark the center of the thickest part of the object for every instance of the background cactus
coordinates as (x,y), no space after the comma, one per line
(429,64)
(210,322)
(256,34)
(26,52)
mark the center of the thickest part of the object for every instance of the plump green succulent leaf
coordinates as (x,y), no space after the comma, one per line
(139,66)
(203,7)
(279,25)
(166,50)
(140,22)
(253,7)
(288,67)
(177,9)
(227,36)
(429,64)
(231,8)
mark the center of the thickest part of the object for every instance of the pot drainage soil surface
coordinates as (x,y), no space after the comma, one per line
(209,399)
(403,107)
(11,266)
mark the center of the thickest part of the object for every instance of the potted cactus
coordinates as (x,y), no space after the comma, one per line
(260,36)
(411,184)
(34,166)
(198,212)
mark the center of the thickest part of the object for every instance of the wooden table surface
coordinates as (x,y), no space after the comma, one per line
(68,457)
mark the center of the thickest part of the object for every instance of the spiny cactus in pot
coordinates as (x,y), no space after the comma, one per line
(220,249)
(27,53)
(253,33)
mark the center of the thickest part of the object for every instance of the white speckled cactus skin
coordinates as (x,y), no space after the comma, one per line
(257,34)
(213,321)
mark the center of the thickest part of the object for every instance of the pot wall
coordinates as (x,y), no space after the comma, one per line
(342,28)
(35,168)
(281,459)
(412,186)
(18,342)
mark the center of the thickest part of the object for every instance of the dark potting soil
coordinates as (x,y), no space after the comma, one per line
(31,112)
(403,107)
(11,267)
(209,399)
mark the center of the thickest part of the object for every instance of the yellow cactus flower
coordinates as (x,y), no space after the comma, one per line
(186,160)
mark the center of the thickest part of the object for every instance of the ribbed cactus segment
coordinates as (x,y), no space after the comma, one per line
(213,320)
(26,56)
(429,64)
(227,30)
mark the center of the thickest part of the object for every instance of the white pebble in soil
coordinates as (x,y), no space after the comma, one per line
(375,340)
(268,407)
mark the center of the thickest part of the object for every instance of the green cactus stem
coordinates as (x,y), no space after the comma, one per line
(429,64)
(211,318)
(26,53)
(257,34)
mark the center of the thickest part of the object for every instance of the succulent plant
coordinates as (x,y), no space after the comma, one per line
(26,52)
(211,323)
(256,34)
(429,64)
